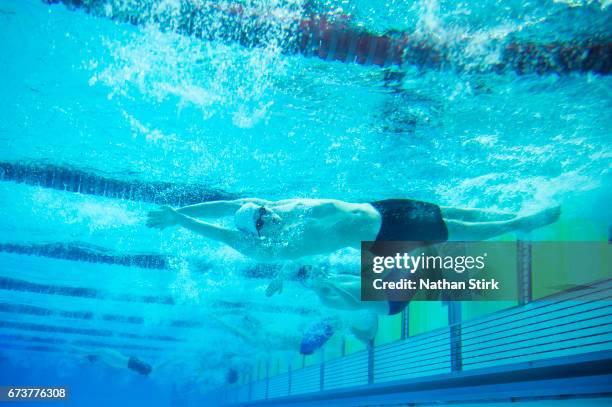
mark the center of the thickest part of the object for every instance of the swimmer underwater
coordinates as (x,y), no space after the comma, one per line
(293,228)
(115,359)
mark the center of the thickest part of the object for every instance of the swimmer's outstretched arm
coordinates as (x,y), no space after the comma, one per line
(218,209)
(236,331)
(167,216)
(227,236)
(276,285)
(287,271)
(79,349)
(109,356)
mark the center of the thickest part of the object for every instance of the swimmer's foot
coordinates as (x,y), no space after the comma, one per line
(540,219)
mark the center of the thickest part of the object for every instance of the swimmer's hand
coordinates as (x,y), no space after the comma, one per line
(163,218)
(275,286)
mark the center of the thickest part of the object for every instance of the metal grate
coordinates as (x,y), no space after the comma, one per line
(278,386)
(346,371)
(574,322)
(258,390)
(577,322)
(421,355)
(305,380)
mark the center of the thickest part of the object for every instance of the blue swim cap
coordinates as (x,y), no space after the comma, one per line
(315,337)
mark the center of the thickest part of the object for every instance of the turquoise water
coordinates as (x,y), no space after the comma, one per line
(136,103)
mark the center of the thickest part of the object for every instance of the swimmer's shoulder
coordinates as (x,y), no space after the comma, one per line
(337,207)
(361,209)
(323,206)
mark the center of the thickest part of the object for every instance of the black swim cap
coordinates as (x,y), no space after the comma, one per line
(139,366)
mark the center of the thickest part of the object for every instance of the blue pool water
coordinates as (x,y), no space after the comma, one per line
(147,108)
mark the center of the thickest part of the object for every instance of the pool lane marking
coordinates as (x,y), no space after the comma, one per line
(28,309)
(76,252)
(109,333)
(88,183)
(315,32)
(13,284)
(78,342)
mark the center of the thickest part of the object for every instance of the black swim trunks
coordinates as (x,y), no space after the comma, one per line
(139,366)
(406,220)
(419,223)
(397,305)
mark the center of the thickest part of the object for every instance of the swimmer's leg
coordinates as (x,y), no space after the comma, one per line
(329,297)
(460,230)
(347,297)
(347,279)
(364,326)
(113,358)
(475,215)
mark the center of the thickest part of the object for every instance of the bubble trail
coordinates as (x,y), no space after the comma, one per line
(334,38)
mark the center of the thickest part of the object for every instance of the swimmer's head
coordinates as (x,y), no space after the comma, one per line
(251,324)
(232,376)
(256,219)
